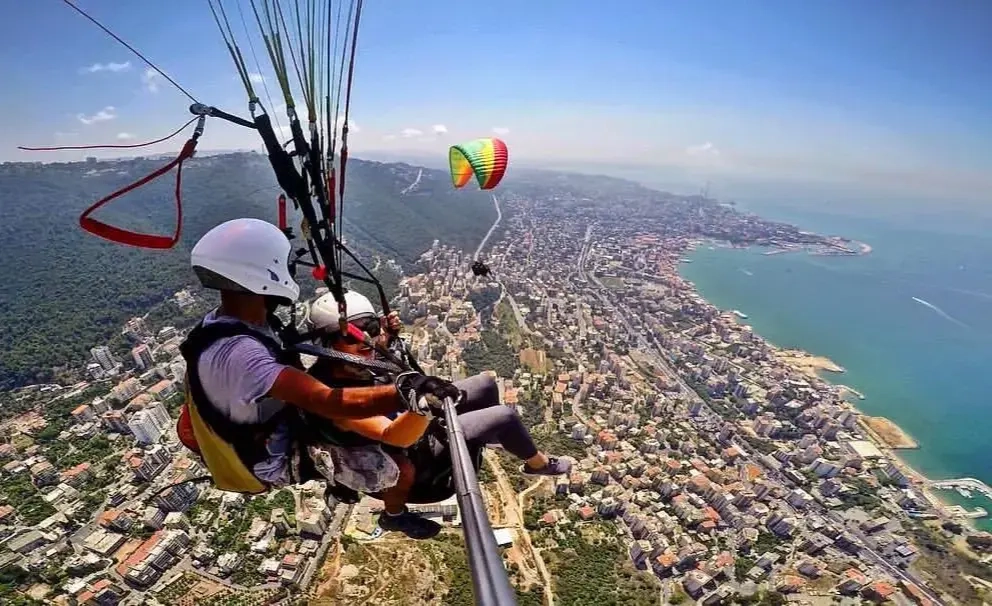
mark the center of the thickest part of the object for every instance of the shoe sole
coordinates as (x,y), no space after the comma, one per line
(544,475)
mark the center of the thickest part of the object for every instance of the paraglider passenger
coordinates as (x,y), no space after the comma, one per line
(239,377)
(483,419)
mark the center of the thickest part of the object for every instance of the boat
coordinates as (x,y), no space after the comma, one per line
(740,314)
(964,492)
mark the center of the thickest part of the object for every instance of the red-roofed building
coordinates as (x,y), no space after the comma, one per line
(721,566)
(699,483)
(750,472)
(852,581)
(663,564)
(83,414)
(587,513)
(163,389)
(789,583)
(87,596)
(879,591)
(76,476)
(140,553)
(916,594)
(116,519)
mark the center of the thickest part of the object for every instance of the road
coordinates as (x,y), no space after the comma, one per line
(513,509)
(577,411)
(413,186)
(334,530)
(516,311)
(492,228)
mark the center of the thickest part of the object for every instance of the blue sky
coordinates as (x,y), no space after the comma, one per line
(892,95)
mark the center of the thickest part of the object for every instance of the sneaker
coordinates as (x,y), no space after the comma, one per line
(555,467)
(409,524)
(339,493)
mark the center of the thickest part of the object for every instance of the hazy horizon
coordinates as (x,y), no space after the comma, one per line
(886,98)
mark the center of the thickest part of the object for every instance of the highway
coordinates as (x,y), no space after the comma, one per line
(492,228)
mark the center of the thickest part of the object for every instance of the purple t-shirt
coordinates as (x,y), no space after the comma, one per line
(237,374)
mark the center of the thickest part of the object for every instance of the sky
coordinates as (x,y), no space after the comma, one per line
(891,96)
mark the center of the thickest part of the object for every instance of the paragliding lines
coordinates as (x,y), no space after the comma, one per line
(111,146)
(258,66)
(132,49)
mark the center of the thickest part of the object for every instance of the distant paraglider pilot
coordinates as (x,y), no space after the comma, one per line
(240,379)
(481,269)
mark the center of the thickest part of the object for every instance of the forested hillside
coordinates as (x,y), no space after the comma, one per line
(63,291)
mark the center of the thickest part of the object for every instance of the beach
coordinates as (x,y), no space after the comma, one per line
(808,363)
(889,433)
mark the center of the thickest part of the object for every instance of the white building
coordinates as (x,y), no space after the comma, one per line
(142,357)
(145,427)
(101,354)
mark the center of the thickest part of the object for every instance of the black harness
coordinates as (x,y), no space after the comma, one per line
(429,455)
(248,439)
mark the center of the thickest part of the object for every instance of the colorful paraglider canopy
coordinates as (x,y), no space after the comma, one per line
(484,158)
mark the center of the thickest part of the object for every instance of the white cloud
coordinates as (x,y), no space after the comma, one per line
(106,67)
(105,114)
(409,133)
(501,130)
(702,149)
(389,137)
(440,129)
(256,78)
(151,79)
(124,136)
(352,127)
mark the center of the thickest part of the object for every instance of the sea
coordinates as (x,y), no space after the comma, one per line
(911,322)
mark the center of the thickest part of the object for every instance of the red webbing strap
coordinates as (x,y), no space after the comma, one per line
(134,238)
(282,212)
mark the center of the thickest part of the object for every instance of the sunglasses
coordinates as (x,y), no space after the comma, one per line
(369,326)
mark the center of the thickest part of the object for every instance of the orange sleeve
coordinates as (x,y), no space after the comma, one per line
(300,389)
(401,432)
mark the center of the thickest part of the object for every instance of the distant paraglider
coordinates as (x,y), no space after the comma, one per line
(484,158)
(481,269)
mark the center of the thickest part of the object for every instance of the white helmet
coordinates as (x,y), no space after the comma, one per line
(246,255)
(324,311)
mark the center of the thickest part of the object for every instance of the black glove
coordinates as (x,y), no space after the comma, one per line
(414,386)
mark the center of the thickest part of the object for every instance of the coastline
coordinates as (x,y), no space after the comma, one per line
(884,433)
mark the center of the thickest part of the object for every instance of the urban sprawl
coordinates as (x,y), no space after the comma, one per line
(727,466)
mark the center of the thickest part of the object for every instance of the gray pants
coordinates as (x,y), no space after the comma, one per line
(486,421)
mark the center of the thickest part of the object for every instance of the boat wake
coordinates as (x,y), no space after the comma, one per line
(940,312)
(746,272)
